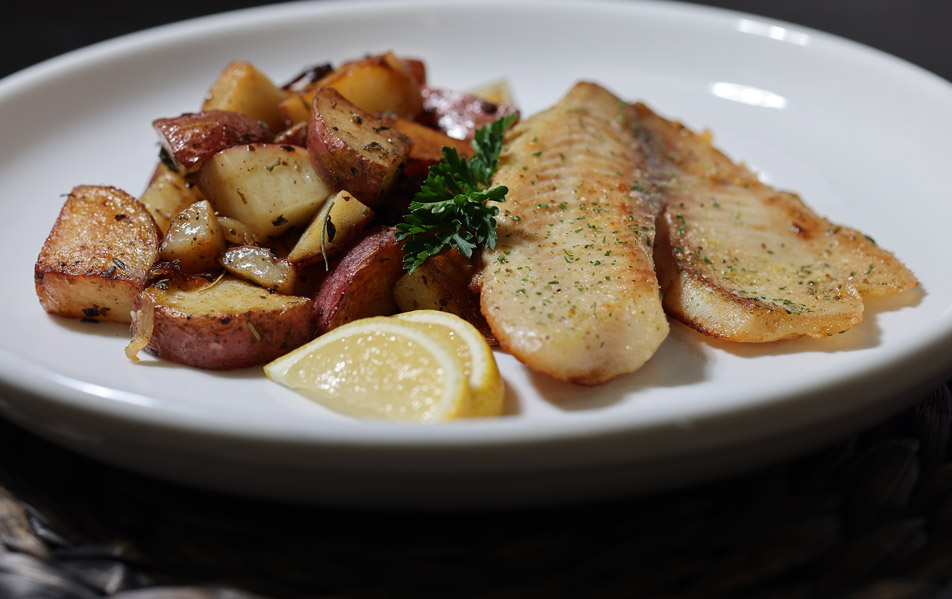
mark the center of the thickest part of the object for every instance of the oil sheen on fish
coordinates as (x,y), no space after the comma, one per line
(570,289)
(742,261)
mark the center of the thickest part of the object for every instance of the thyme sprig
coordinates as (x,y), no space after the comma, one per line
(451,209)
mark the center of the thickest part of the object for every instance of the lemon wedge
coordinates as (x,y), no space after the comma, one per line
(379,367)
(486,388)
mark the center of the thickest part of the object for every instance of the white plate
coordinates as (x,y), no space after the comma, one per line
(862,135)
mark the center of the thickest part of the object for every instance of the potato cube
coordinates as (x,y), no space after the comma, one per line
(270,188)
(338,222)
(195,239)
(168,194)
(95,260)
(243,88)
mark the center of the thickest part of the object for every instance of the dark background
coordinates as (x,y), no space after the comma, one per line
(919,31)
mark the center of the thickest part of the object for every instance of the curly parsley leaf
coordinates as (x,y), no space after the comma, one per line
(451,209)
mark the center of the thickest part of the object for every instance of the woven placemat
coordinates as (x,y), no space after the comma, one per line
(867,518)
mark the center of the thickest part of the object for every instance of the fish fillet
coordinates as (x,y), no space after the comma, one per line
(570,289)
(742,261)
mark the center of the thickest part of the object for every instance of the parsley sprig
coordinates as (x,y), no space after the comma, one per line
(451,209)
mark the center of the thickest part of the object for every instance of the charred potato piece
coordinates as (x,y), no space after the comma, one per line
(225,325)
(374,84)
(168,194)
(269,188)
(442,283)
(426,145)
(353,149)
(96,258)
(360,283)
(192,138)
(243,88)
(194,240)
(308,76)
(457,114)
(341,219)
(259,266)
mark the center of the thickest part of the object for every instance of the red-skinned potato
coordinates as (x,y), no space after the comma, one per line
(352,149)
(360,282)
(225,325)
(191,138)
(458,114)
(194,240)
(97,256)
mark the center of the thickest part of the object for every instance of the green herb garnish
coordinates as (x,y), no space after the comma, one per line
(451,209)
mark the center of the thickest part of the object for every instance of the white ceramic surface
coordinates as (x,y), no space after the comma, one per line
(862,135)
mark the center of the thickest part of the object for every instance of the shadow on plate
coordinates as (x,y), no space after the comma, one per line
(865,335)
(678,362)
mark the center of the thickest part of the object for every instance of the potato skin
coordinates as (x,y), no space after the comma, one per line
(231,324)
(458,114)
(192,138)
(97,256)
(352,149)
(360,283)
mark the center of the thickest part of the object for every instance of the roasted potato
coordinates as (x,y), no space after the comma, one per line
(353,149)
(95,260)
(426,145)
(295,135)
(235,231)
(417,70)
(442,283)
(225,325)
(269,188)
(341,219)
(195,239)
(458,114)
(243,88)
(192,138)
(374,84)
(360,282)
(260,266)
(168,194)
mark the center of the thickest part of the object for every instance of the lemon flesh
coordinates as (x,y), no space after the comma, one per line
(486,387)
(381,368)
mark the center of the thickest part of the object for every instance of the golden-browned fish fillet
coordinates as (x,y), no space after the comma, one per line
(742,261)
(570,288)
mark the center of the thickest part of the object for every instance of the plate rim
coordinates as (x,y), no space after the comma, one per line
(395,435)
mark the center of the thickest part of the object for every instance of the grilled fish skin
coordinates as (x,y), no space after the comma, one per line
(742,261)
(570,289)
